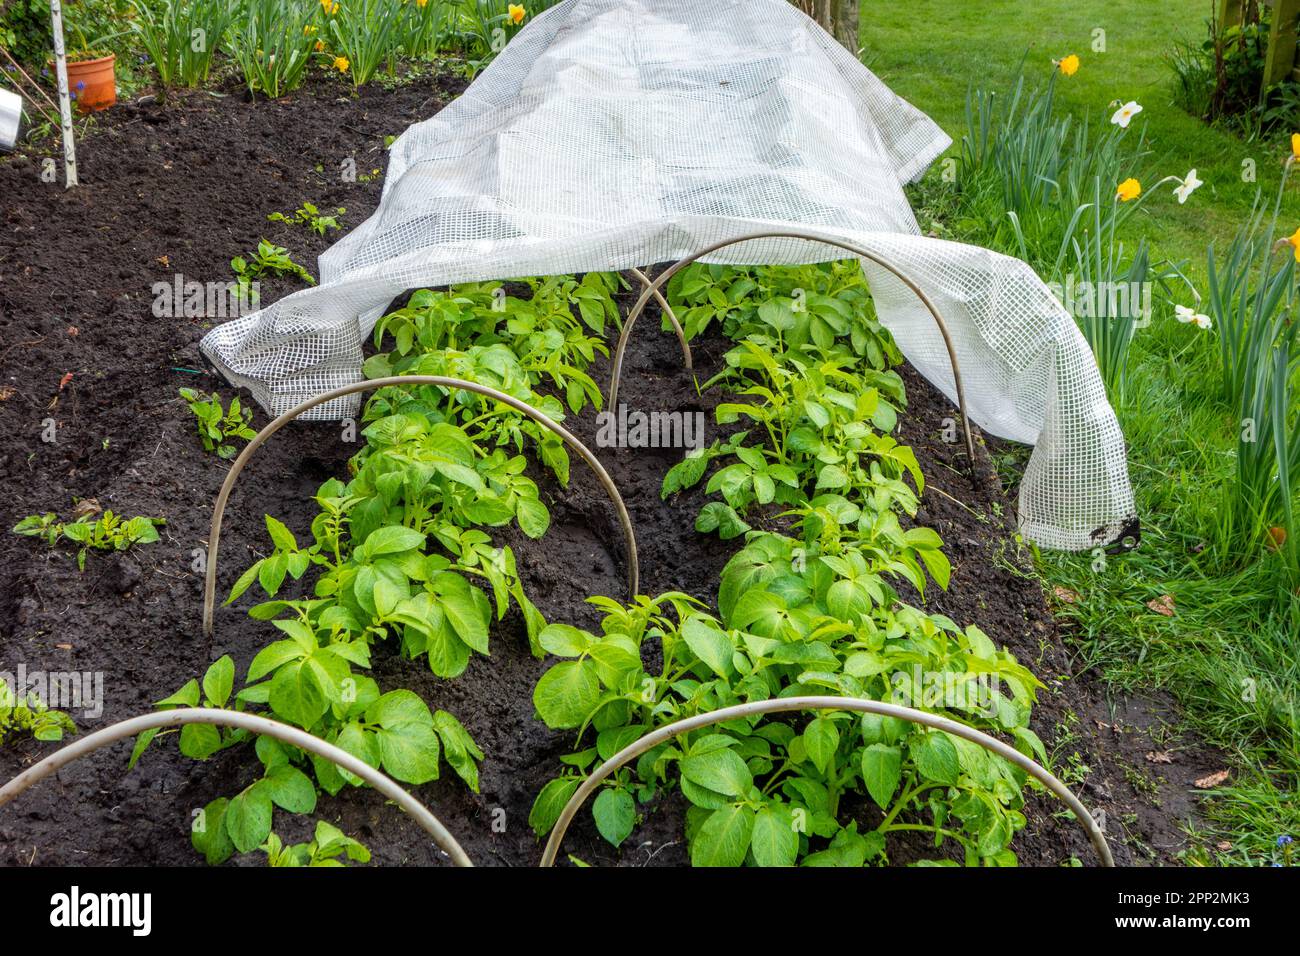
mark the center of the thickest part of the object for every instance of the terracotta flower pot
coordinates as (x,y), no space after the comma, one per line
(92,83)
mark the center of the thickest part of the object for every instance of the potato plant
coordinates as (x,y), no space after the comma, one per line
(327,848)
(30,717)
(219,425)
(776,792)
(827,306)
(108,532)
(400,551)
(812,614)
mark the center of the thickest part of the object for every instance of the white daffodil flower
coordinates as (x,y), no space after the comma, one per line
(1124,115)
(1187,315)
(1187,186)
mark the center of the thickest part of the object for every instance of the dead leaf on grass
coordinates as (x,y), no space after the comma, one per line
(1162,605)
(1065,595)
(1159,756)
(1213,780)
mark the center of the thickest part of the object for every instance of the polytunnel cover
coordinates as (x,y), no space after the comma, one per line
(611,134)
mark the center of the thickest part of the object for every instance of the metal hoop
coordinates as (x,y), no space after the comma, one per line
(859,251)
(223,496)
(687,358)
(656,737)
(259,725)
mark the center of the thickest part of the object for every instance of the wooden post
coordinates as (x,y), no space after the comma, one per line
(839,18)
(1230,13)
(65,104)
(1281,42)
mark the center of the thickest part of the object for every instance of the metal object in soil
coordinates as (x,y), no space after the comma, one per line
(859,251)
(258,725)
(656,737)
(223,496)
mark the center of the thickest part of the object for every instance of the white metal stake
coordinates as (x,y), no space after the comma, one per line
(65,102)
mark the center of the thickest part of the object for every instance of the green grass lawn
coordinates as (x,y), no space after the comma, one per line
(1230,651)
(930,52)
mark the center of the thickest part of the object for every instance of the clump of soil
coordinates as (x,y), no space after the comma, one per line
(178,190)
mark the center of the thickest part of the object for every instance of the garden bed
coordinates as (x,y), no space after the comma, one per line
(181,189)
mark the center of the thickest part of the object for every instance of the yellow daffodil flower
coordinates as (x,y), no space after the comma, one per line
(320,46)
(1068,65)
(517,13)
(341,64)
(1295,244)
(1128,190)
(1295,146)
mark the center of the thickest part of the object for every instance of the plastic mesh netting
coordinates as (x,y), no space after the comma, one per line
(611,134)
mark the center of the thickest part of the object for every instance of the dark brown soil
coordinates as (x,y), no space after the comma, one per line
(182,189)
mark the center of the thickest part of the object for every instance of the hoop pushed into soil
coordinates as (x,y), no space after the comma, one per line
(153,187)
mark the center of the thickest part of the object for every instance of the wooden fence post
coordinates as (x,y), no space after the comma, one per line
(1281,54)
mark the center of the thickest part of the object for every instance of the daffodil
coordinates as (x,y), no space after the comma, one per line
(320,46)
(517,12)
(1295,146)
(330,7)
(1186,315)
(1187,186)
(1128,190)
(308,30)
(1124,115)
(421,3)
(341,64)
(1068,65)
(1295,244)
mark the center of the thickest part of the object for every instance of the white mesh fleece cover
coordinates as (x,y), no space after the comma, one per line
(611,134)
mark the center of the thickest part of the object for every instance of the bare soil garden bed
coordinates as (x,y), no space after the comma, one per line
(181,188)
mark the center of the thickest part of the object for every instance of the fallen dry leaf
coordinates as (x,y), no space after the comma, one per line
(1213,780)
(63,382)
(1224,846)
(64,647)
(1065,594)
(1163,605)
(87,506)
(1160,756)
(73,331)
(164,261)
(7,393)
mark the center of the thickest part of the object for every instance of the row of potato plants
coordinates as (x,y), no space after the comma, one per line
(402,551)
(402,548)
(811,611)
